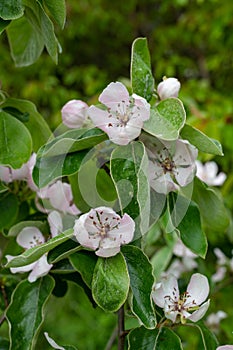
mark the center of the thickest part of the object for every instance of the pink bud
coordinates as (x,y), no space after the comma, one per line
(169,87)
(74,113)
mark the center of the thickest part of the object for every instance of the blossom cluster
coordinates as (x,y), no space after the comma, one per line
(172,165)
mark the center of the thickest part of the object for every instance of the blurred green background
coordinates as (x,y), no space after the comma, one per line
(188,39)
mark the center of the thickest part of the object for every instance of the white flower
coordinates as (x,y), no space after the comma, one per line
(103,230)
(60,197)
(8,174)
(225,347)
(31,237)
(169,87)
(208,173)
(74,113)
(171,164)
(123,118)
(187,306)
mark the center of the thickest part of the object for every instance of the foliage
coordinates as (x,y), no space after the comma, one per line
(101,173)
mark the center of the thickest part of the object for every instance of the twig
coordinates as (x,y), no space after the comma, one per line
(121,328)
(112,339)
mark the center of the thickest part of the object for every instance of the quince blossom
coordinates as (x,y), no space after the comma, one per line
(74,113)
(104,231)
(187,306)
(171,164)
(24,173)
(123,118)
(27,238)
(225,347)
(169,87)
(60,197)
(208,173)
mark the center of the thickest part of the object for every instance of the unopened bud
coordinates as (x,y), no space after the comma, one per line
(169,87)
(74,113)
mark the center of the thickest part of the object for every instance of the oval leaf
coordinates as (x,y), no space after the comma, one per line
(110,283)
(25,312)
(129,168)
(11,9)
(191,232)
(141,282)
(166,119)
(213,211)
(141,75)
(36,124)
(208,339)
(57,9)
(9,206)
(84,262)
(201,141)
(15,141)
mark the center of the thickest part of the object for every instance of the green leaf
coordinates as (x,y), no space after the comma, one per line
(3,25)
(110,283)
(15,229)
(191,232)
(72,141)
(84,262)
(63,251)
(141,75)
(201,141)
(4,344)
(26,42)
(160,339)
(62,267)
(141,282)
(166,119)
(11,9)
(209,341)
(36,124)
(57,9)
(129,171)
(33,254)
(15,141)
(9,206)
(47,31)
(212,208)
(25,313)
(48,169)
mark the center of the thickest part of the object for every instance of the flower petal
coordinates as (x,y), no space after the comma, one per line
(40,269)
(30,237)
(198,289)
(114,93)
(55,223)
(167,288)
(198,314)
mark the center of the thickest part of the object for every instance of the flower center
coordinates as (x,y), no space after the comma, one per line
(103,224)
(168,165)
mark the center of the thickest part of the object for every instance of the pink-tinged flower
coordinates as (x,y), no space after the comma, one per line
(171,165)
(74,113)
(60,197)
(187,306)
(225,347)
(124,115)
(208,173)
(169,87)
(27,238)
(214,319)
(104,231)
(24,173)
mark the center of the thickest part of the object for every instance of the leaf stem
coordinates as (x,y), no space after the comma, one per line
(121,328)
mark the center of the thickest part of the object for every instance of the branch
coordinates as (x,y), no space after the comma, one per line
(121,329)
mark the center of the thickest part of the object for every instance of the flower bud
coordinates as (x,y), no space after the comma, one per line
(169,87)
(74,113)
